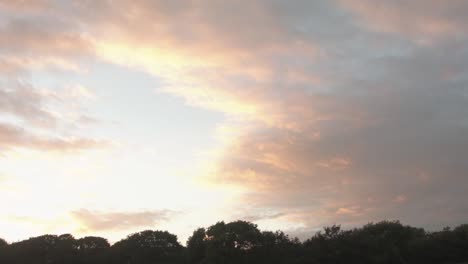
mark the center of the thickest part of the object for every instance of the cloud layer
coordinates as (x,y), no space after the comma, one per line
(336,111)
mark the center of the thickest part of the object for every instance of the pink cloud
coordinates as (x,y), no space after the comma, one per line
(16,137)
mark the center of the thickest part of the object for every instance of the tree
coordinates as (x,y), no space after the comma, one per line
(92,249)
(240,242)
(148,247)
(36,250)
(383,242)
(90,243)
(3,250)
(64,250)
(277,247)
(224,243)
(196,246)
(3,243)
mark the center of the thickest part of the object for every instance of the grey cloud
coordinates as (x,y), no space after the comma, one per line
(422,21)
(411,141)
(254,218)
(41,37)
(401,122)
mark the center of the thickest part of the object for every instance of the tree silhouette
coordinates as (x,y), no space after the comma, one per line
(230,243)
(241,242)
(92,249)
(148,247)
(196,246)
(3,250)
(33,250)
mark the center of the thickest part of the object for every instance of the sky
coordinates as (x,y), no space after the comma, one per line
(118,116)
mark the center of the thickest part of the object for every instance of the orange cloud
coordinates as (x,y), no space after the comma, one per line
(348,211)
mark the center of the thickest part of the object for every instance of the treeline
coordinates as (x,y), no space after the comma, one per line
(242,242)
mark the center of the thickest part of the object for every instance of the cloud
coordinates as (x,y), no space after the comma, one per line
(167,49)
(16,137)
(44,33)
(421,20)
(42,41)
(36,37)
(20,5)
(254,218)
(36,119)
(26,103)
(25,37)
(99,221)
(335,113)
(413,119)
(338,113)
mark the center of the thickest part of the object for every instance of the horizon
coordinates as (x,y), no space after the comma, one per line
(121,116)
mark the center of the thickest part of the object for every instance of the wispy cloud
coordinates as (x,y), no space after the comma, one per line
(30,120)
(16,137)
(26,103)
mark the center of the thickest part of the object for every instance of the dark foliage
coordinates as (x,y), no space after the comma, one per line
(387,242)
(147,247)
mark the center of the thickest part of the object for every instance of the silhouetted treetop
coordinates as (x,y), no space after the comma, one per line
(91,242)
(239,234)
(148,247)
(3,243)
(150,239)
